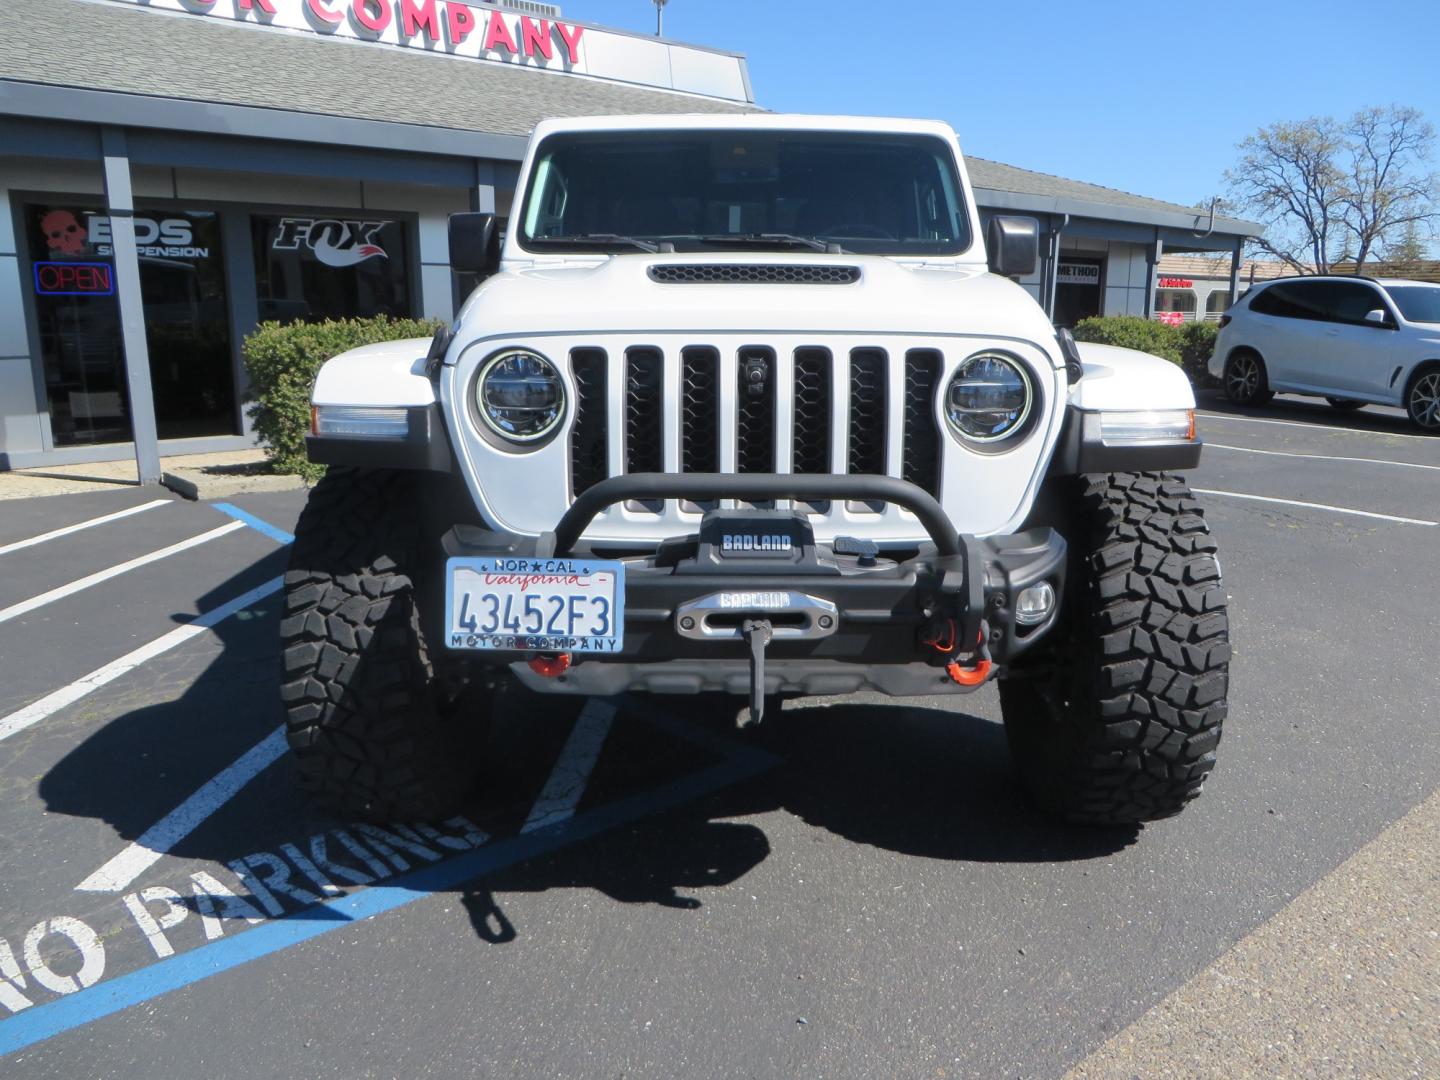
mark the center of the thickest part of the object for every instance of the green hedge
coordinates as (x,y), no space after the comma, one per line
(1189,345)
(283,359)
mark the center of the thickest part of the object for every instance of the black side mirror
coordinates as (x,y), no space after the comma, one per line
(1013,244)
(474,244)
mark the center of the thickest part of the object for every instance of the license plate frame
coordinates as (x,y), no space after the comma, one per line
(493,602)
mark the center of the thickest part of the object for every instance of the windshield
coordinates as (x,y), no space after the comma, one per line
(716,190)
(1418,303)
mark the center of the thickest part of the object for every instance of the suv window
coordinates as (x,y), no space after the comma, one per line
(1347,302)
(1418,303)
(1291,300)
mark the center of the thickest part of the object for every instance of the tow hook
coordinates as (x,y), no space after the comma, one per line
(550,664)
(972,674)
(757,633)
(969,676)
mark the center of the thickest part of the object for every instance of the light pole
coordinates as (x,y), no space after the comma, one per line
(660,17)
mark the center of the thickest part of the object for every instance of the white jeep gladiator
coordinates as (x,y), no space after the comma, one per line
(748,404)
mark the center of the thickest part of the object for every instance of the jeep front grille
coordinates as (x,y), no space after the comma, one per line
(751,409)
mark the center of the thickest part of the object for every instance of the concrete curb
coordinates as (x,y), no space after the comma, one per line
(197,485)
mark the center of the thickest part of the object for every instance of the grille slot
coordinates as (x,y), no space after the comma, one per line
(644,374)
(753,273)
(699,414)
(755,412)
(589,455)
(868,404)
(810,447)
(920,459)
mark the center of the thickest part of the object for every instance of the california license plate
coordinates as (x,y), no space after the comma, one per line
(543,605)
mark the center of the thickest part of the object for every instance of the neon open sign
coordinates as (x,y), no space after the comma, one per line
(74,279)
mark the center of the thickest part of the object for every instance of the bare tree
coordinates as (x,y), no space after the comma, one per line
(1387,191)
(1287,175)
(1321,186)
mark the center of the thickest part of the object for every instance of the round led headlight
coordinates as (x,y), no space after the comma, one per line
(519,395)
(989,398)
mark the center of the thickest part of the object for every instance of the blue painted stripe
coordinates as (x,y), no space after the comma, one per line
(41,1022)
(280,536)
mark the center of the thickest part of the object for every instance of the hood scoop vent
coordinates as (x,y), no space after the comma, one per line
(753,274)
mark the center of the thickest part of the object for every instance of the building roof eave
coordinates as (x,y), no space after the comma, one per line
(1196,221)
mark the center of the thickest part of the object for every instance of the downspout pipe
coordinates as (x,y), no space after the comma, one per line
(1054,261)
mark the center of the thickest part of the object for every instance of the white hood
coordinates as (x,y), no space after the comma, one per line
(616,294)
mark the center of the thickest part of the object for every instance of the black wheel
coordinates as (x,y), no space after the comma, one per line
(1345,404)
(1245,380)
(1117,721)
(376,732)
(1422,400)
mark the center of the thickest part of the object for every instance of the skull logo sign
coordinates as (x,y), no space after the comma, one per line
(62,232)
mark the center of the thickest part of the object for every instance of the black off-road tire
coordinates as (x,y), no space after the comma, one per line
(1118,720)
(376,734)
(1245,380)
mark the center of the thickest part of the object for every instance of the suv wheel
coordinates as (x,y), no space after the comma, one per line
(1345,404)
(1422,400)
(1118,720)
(376,732)
(1245,379)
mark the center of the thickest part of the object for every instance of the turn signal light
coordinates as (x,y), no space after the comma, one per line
(359,422)
(1147,426)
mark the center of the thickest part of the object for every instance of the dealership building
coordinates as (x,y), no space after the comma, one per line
(177,171)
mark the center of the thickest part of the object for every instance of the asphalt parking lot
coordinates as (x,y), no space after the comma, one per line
(859,890)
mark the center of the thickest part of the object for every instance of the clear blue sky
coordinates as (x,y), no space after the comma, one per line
(1145,97)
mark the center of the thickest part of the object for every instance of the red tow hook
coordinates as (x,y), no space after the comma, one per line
(550,666)
(964,676)
(971,676)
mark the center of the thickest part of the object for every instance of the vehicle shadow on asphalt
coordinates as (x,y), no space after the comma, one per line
(1382,419)
(927,782)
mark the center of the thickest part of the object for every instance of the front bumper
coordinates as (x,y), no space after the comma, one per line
(854,617)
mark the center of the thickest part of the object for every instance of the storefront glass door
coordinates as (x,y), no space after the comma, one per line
(187,325)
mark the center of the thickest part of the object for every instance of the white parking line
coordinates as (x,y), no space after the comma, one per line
(79,584)
(67,695)
(1318,506)
(124,868)
(104,519)
(562,792)
(1310,427)
(1321,457)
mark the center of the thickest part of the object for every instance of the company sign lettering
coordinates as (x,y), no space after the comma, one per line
(448,26)
(333,242)
(1078,274)
(161,238)
(1176,283)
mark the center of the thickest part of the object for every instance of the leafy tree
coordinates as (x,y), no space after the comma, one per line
(1321,185)
(1410,248)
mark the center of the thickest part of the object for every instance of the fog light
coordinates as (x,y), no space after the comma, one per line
(1146,426)
(360,422)
(1034,604)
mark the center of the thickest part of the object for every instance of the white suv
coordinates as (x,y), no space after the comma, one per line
(1350,340)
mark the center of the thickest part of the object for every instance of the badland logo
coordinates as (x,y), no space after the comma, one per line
(334,242)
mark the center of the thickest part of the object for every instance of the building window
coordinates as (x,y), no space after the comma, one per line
(1175,305)
(310,268)
(1216,304)
(187,325)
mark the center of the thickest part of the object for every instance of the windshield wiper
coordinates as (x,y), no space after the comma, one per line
(773,239)
(603,240)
